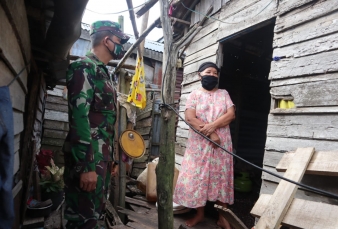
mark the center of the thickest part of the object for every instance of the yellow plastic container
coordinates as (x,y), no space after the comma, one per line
(283,104)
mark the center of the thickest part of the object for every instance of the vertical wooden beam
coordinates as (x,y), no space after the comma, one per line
(165,167)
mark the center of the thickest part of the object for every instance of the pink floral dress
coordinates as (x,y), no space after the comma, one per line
(206,173)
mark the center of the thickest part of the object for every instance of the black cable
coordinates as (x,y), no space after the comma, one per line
(308,188)
(116,12)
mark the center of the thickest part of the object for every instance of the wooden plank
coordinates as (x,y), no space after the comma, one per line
(55,134)
(324,127)
(322,163)
(206,30)
(17,189)
(138,225)
(300,80)
(144,131)
(183,133)
(16,166)
(250,16)
(56,99)
(17,12)
(313,94)
(304,14)
(306,110)
(234,7)
(279,144)
(16,92)
(191,87)
(269,187)
(180,150)
(234,221)
(302,213)
(282,197)
(272,158)
(56,115)
(286,6)
(203,43)
(18,122)
(147,219)
(55,92)
(56,125)
(310,47)
(17,142)
(144,123)
(181,141)
(309,65)
(52,141)
(139,202)
(201,54)
(111,211)
(10,49)
(56,107)
(313,29)
(190,78)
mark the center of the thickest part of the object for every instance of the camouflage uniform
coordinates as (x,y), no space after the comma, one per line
(89,143)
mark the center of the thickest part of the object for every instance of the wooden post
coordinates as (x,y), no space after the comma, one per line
(165,167)
(122,125)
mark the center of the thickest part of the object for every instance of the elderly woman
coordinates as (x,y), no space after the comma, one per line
(207,171)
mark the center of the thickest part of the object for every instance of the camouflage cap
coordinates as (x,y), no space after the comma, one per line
(113,27)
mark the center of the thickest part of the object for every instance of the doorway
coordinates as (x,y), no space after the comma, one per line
(244,74)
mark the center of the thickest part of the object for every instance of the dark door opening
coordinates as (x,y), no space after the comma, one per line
(244,74)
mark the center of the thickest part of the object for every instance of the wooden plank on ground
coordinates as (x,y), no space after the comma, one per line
(139,202)
(302,213)
(321,163)
(138,225)
(111,211)
(284,194)
(234,221)
(149,220)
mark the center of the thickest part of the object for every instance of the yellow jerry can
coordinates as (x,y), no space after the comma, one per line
(132,144)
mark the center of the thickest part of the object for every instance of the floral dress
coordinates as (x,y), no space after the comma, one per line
(206,173)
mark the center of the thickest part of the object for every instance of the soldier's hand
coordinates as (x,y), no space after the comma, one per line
(88,181)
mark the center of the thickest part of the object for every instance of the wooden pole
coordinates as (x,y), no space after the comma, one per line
(133,20)
(165,167)
(122,125)
(145,8)
(136,44)
(166,164)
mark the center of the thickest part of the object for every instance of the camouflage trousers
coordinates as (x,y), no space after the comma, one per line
(83,209)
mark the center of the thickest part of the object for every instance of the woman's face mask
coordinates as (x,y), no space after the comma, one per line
(209,82)
(209,78)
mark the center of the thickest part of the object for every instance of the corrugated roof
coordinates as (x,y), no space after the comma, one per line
(149,44)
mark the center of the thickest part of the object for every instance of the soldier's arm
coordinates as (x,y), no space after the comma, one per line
(80,96)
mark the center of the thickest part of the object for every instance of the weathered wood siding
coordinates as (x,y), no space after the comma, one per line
(306,33)
(15,54)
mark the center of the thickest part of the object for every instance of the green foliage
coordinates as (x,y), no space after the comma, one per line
(52,181)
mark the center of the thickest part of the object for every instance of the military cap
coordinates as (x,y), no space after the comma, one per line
(113,27)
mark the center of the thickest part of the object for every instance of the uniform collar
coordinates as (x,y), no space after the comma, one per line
(94,58)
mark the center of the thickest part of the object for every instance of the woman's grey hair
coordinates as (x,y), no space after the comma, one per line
(97,37)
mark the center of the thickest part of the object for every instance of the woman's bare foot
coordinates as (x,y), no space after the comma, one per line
(223,223)
(195,220)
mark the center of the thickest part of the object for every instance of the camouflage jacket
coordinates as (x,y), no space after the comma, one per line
(92,114)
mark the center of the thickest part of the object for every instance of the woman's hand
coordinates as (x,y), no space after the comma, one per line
(216,139)
(207,129)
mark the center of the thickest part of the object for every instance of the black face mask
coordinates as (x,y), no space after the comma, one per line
(118,52)
(209,82)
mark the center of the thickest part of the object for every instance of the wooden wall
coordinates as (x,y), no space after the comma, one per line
(55,123)
(27,96)
(306,33)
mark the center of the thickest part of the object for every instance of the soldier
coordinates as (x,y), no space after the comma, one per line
(92,115)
